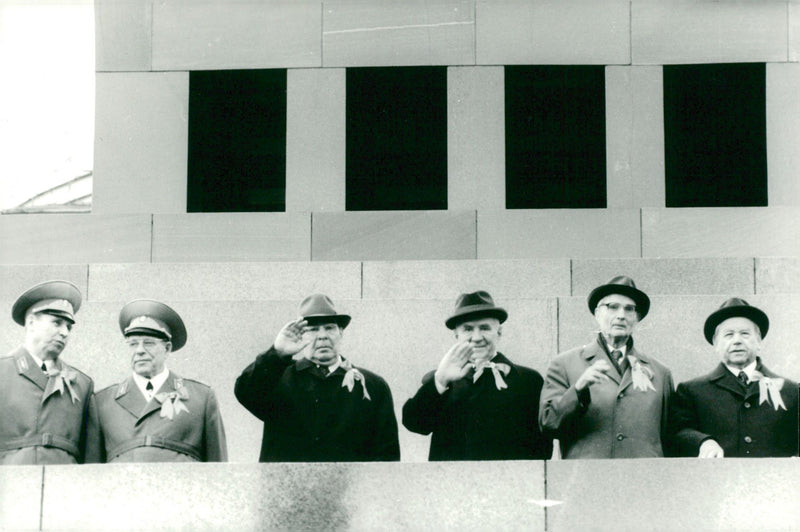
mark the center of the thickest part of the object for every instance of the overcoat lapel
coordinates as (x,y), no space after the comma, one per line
(129,397)
(28,368)
(153,404)
(593,352)
(723,378)
(50,387)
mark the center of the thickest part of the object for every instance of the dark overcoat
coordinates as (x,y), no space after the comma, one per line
(312,417)
(477,421)
(133,429)
(716,406)
(612,420)
(40,423)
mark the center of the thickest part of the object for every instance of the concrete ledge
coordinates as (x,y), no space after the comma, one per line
(227,237)
(777,276)
(74,238)
(393,235)
(553,33)
(20,497)
(708,32)
(553,233)
(668,276)
(398,33)
(225,281)
(721,232)
(380,496)
(674,494)
(233,35)
(504,279)
(123,35)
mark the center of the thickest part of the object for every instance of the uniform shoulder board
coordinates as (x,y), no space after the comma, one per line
(194,381)
(22,363)
(123,388)
(107,389)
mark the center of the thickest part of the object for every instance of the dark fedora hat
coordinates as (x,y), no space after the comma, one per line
(59,298)
(735,308)
(624,285)
(152,318)
(475,305)
(318,308)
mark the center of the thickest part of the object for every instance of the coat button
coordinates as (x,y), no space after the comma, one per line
(747,405)
(620,437)
(748,439)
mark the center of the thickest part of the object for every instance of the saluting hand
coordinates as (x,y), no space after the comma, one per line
(454,365)
(593,374)
(290,338)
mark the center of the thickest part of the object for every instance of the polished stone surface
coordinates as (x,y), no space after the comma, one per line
(346,496)
(674,494)
(20,497)
(553,33)
(708,32)
(356,34)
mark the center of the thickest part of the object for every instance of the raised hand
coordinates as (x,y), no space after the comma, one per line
(593,374)
(290,338)
(454,365)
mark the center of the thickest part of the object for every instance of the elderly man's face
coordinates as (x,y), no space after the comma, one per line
(148,354)
(47,334)
(482,334)
(323,342)
(737,341)
(616,316)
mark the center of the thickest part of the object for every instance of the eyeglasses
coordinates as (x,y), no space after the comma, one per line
(148,345)
(614,307)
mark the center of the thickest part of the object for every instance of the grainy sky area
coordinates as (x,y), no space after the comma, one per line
(46,95)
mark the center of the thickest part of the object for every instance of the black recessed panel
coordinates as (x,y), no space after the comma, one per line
(555,137)
(237,141)
(396,138)
(715,142)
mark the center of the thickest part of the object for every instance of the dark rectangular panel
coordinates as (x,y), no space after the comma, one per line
(555,137)
(396,138)
(715,140)
(237,141)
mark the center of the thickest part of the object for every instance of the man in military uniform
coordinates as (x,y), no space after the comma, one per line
(48,412)
(740,409)
(155,415)
(478,404)
(315,404)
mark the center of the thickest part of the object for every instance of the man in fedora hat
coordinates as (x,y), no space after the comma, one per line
(607,399)
(155,415)
(741,408)
(477,403)
(48,412)
(315,404)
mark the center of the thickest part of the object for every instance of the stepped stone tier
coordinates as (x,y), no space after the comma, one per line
(629,495)
(236,278)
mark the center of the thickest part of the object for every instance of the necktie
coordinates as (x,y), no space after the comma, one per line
(742,378)
(149,388)
(44,368)
(619,359)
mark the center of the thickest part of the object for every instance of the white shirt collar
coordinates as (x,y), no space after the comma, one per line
(749,369)
(333,367)
(157,381)
(36,359)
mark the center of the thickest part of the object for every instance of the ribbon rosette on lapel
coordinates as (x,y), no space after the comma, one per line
(496,368)
(769,390)
(172,402)
(63,378)
(641,375)
(351,376)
